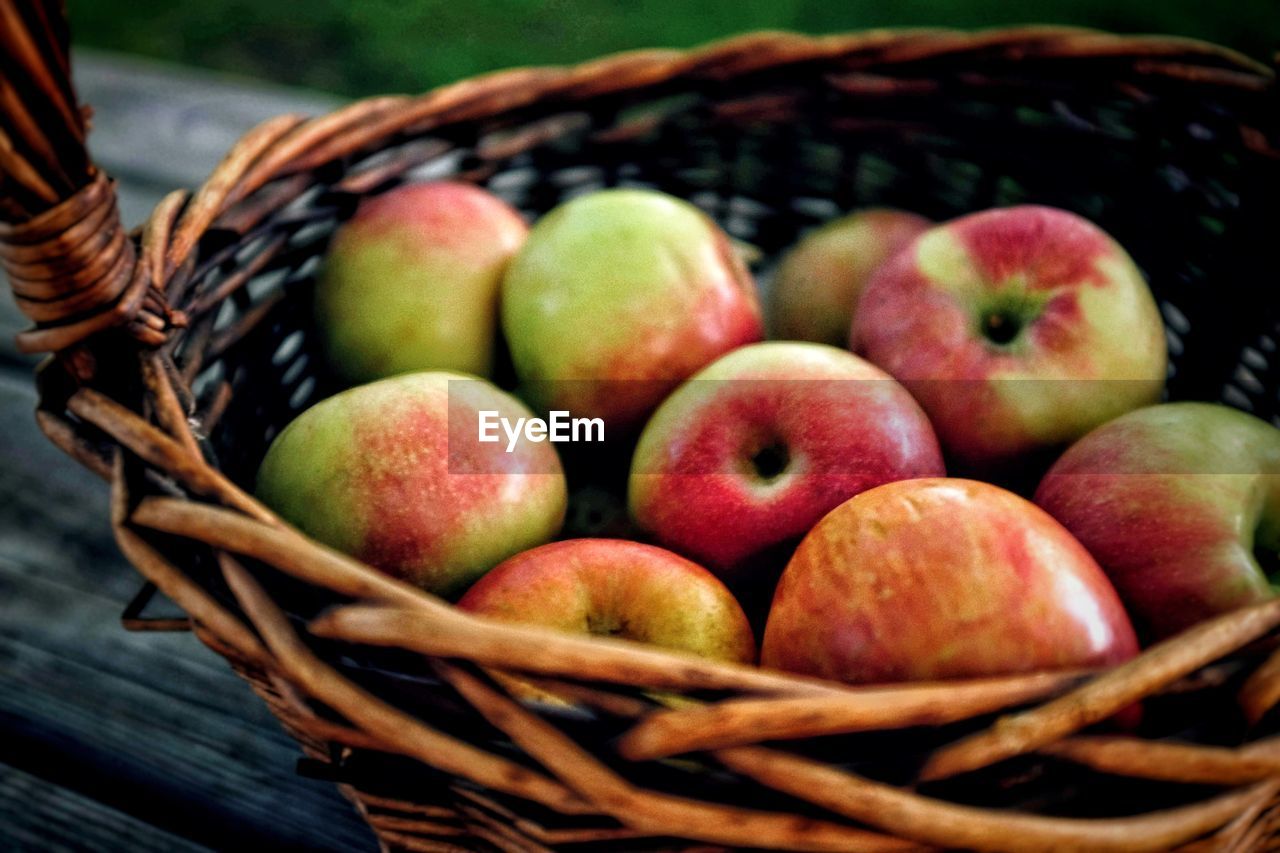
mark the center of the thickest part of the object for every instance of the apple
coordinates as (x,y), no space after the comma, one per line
(766,440)
(819,281)
(617,297)
(393,474)
(1018,330)
(411,282)
(616,588)
(1180,504)
(942,578)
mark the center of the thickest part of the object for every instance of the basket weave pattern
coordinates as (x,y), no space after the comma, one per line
(182,349)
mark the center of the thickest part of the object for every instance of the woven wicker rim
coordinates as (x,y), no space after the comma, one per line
(292,145)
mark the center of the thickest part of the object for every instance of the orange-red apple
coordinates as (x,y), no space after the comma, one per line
(938,578)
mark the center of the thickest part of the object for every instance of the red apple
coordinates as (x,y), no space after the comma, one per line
(411,281)
(615,588)
(616,298)
(762,443)
(1018,330)
(392,473)
(819,281)
(933,579)
(1179,503)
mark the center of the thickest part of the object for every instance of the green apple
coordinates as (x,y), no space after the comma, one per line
(618,296)
(393,473)
(819,281)
(411,282)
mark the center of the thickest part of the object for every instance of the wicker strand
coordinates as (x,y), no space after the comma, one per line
(1261,692)
(747,721)
(431,627)
(381,720)
(1107,694)
(176,585)
(1173,762)
(949,825)
(660,813)
(160,450)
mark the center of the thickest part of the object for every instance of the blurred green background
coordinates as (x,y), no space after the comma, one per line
(365,46)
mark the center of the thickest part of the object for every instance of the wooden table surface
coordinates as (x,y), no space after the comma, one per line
(111,740)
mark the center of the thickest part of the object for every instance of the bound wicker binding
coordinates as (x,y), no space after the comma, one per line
(182,349)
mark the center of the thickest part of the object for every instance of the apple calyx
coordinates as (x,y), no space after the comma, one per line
(771,461)
(608,625)
(1003,318)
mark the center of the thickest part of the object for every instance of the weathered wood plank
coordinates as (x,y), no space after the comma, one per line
(48,817)
(164,756)
(154,726)
(169,126)
(54,513)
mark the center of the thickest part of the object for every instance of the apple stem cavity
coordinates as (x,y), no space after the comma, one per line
(1266,533)
(1001,327)
(606,626)
(1003,316)
(1266,551)
(771,461)
(1269,561)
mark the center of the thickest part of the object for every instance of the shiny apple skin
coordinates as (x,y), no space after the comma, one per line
(942,578)
(619,296)
(410,282)
(391,473)
(845,426)
(1087,342)
(617,588)
(818,283)
(1172,501)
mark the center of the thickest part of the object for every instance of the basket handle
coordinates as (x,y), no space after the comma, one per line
(73,269)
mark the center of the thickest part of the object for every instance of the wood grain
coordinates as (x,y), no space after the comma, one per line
(56,818)
(154,726)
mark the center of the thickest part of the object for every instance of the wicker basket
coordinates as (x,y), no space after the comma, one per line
(182,349)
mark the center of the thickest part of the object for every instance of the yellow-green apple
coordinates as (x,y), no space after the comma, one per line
(1017,329)
(942,578)
(1180,504)
(616,588)
(619,295)
(411,281)
(818,282)
(763,442)
(393,473)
